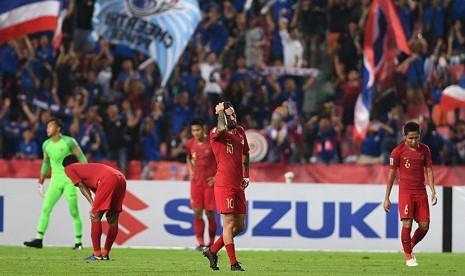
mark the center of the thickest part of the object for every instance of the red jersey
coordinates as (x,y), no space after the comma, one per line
(411,164)
(91,174)
(228,149)
(203,159)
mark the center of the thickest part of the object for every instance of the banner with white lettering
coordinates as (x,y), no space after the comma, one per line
(160,29)
(157,214)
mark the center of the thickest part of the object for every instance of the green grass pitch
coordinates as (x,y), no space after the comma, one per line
(129,261)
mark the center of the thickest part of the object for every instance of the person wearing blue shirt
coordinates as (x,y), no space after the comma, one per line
(28,148)
(215,30)
(405,12)
(372,145)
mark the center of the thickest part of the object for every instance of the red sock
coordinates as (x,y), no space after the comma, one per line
(199,228)
(111,237)
(96,234)
(230,249)
(212,226)
(406,242)
(216,246)
(419,234)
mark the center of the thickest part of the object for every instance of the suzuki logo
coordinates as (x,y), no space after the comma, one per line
(348,218)
(128,226)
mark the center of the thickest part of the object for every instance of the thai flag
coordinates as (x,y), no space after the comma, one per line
(453,96)
(58,36)
(22,17)
(384,36)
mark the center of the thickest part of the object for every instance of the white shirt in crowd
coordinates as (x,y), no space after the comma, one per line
(293,50)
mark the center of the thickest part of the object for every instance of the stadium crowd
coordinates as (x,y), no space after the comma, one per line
(112,102)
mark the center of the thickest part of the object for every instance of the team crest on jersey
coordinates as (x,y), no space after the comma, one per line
(242,141)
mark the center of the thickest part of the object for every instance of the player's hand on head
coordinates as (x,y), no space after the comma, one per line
(219,107)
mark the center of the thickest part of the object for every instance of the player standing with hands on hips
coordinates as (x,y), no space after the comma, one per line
(411,157)
(109,187)
(55,149)
(231,151)
(202,169)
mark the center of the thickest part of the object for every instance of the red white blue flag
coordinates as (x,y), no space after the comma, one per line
(23,17)
(384,36)
(453,96)
(58,36)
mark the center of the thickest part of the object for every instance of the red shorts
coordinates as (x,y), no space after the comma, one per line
(414,206)
(203,197)
(110,194)
(230,200)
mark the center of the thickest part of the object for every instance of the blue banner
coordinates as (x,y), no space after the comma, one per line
(160,29)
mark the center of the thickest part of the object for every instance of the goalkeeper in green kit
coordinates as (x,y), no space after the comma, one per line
(55,149)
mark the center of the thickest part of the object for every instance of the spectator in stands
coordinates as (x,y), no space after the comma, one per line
(350,84)
(391,140)
(337,20)
(13,129)
(349,47)
(372,145)
(254,40)
(415,73)
(293,50)
(28,148)
(456,39)
(434,19)
(326,144)
(278,141)
(115,128)
(310,18)
(210,72)
(177,150)
(434,141)
(405,9)
(83,14)
(215,31)
(45,57)
(66,71)
(458,143)
(91,137)
(181,113)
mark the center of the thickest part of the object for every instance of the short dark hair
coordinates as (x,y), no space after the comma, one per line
(411,127)
(227,105)
(197,122)
(70,159)
(57,121)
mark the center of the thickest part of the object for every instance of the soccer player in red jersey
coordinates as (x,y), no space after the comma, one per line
(109,187)
(411,157)
(231,150)
(202,169)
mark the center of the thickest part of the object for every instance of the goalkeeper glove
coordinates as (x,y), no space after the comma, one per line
(41,190)
(245,182)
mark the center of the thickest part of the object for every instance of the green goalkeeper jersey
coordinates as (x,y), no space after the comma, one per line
(56,152)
